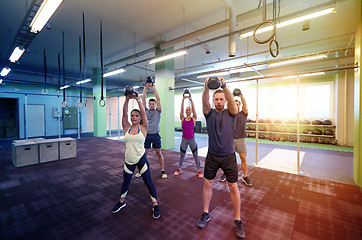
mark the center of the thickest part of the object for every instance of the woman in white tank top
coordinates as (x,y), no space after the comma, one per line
(134,136)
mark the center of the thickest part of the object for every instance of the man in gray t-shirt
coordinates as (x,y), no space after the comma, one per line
(153,115)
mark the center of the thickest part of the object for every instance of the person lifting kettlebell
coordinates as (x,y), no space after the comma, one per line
(129,91)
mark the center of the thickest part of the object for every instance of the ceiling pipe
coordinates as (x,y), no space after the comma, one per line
(232,27)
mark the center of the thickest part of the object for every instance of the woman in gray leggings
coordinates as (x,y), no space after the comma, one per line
(188,136)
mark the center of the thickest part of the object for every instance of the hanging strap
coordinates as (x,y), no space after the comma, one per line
(64,103)
(102,102)
(45,90)
(80,103)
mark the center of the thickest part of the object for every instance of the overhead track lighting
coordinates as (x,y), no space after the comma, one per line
(223,73)
(46,10)
(64,87)
(290,22)
(304,75)
(168,56)
(5,71)
(297,60)
(18,51)
(84,81)
(114,72)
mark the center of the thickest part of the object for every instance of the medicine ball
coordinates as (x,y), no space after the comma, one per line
(293,130)
(275,129)
(326,122)
(328,132)
(308,140)
(316,122)
(305,122)
(291,122)
(306,131)
(247,128)
(253,128)
(248,120)
(320,140)
(263,129)
(276,139)
(267,121)
(315,140)
(317,132)
(261,121)
(334,142)
(277,121)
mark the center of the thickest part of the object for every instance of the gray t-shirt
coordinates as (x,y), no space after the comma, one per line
(220,128)
(240,125)
(153,117)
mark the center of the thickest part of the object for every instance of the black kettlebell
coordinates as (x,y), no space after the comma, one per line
(187,93)
(128,90)
(213,83)
(236,92)
(150,81)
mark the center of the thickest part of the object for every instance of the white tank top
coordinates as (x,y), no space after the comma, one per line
(134,146)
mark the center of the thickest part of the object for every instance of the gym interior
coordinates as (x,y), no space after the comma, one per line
(62,91)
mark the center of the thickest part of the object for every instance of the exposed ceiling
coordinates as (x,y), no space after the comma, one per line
(131,28)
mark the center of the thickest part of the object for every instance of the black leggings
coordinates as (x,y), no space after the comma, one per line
(144,169)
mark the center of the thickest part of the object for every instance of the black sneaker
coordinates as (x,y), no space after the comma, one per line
(247,181)
(163,174)
(222,178)
(156,212)
(205,217)
(118,206)
(239,229)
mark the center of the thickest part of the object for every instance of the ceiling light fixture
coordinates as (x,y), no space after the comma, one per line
(5,71)
(297,60)
(223,73)
(1,80)
(84,81)
(65,86)
(290,22)
(305,75)
(121,70)
(46,10)
(18,51)
(168,56)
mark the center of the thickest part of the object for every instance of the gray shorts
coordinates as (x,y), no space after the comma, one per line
(239,145)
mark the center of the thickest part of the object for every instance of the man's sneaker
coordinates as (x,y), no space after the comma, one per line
(137,175)
(199,173)
(156,211)
(205,217)
(118,206)
(222,178)
(247,181)
(178,171)
(239,229)
(163,174)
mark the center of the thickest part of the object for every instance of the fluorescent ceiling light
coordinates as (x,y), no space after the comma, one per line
(16,54)
(290,22)
(135,87)
(84,81)
(114,72)
(5,71)
(214,74)
(1,80)
(305,75)
(168,56)
(297,60)
(65,86)
(46,10)
(195,88)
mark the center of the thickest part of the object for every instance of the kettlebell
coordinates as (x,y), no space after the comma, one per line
(213,83)
(187,93)
(150,80)
(236,92)
(128,90)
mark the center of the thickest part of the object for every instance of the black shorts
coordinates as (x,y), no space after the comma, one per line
(154,139)
(227,163)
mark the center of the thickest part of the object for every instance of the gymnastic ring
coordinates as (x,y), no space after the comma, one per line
(44,91)
(271,37)
(102,103)
(66,104)
(60,93)
(80,105)
(270,48)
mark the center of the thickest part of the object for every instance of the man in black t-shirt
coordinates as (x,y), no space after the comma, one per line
(221,154)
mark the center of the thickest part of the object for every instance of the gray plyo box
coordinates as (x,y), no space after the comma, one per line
(25,153)
(48,150)
(67,148)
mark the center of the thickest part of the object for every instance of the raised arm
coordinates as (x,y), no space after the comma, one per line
(194,116)
(158,100)
(144,125)
(229,97)
(182,110)
(206,107)
(144,95)
(244,107)
(125,124)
